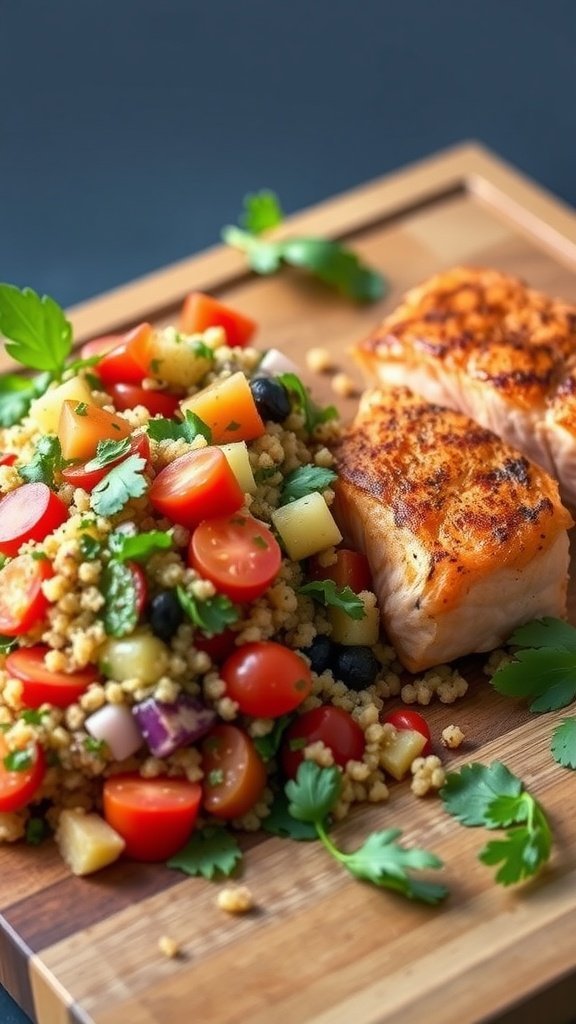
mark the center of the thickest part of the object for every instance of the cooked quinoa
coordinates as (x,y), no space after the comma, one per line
(74,631)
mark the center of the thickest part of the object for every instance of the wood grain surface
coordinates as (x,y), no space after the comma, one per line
(321,948)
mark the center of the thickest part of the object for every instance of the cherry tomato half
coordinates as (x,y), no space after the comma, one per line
(158,403)
(30,512)
(196,486)
(22,602)
(201,311)
(266,679)
(39,685)
(333,726)
(79,476)
(350,569)
(237,553)
(404,719)
(154,816)
(119,364)
(18,787)
(234,773)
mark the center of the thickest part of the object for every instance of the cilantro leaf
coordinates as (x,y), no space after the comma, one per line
(305,480)
(45,463)
(37,331)
(18,760)
(161,429)
(16,396)
(564,743)
(139,547)
(281,823)
(492,796)
(107,452)
(269,745)
(302,402)
(90,548)
(262,211)
(546,674)
(211,616)
(120,613)
(327,593)
(210,852)
(384,862)
(118,486)
(468,794)
(314,791)
(547,632)
(336,266)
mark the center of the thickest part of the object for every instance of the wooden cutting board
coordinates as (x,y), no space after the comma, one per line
(322,948)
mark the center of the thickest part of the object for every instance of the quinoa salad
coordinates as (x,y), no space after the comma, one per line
(182,624)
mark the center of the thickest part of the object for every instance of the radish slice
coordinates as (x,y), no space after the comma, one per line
(115,725)
(276,362)
(167,727)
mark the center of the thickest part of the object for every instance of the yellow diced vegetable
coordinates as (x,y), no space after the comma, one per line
(139,656)
(239,462)
(306,526)
(86,842)
(398,755)
(178,359)
(356,632)
(45,411)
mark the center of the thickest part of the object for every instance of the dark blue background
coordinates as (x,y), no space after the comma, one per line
(130,129)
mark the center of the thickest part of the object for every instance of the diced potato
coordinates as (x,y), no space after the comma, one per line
(228,408)
(138,656)
(45,411)
(178,359)
(306,526)
(398,755)
(356,632)
(86,842)
(82,425)
(239,462)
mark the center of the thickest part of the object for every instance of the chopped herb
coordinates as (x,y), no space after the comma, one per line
(107,452)
(327,593)
(90,548)
(94,746)
(306,480)
(37,830)
(160,429)
(7,643)
(297,743)
(81,409)
(139,547)
(381,860)
(120,613)
(32,716)
(37,332)
(123,482)
(212,616)
(262,211)
(46,462)
(155,366)
(269,745)
(215,777)
(232,426)
(492,796)
(39,556)
(212,852)
(202,350)
(18,760)
(302,402)
(259,542)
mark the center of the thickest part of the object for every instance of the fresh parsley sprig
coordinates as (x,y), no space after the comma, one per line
(211,616)
(492,796)
(302,402)
(36,330)
(332,263)
(381,860)
(331,596)
(211,852)
(188,429)
(45,463)
(123,482)
(306,480)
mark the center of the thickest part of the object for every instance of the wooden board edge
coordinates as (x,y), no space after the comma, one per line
(468,166)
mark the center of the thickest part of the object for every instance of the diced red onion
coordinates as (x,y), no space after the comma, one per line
(276,362)
(115,725)
(167,727)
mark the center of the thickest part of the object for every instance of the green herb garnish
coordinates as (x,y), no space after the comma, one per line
(329,261)
(494,797)
(37,333)
(211,852)
(563,744)
(211,616)
(269,745)
(381,860)
(123,482)
(120,613)
(18,760)
(139,547)
(46,462)
(306,480)
(108,452)
(331,596)
(161,429)
(302,402)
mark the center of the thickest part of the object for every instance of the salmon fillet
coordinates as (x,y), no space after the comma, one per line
(483,343)
(466,539)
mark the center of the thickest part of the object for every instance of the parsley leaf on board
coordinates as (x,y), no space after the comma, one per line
(269,745)
(138,547)
(546,632)
(45,463)
(211,852)
(546,674)
(381,860)
(211,616)
(494,797)
(37,332)
(107,452)
(281,823)
(123,482)
(305,480)
(326,592)
(563,745)
(120,612)
(161,429)
(329,261)
(303,403)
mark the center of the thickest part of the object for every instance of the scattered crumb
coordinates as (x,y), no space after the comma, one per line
(235,899)
(169,947)
(318,360)
(343,385)
(452,736)
(428,775)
